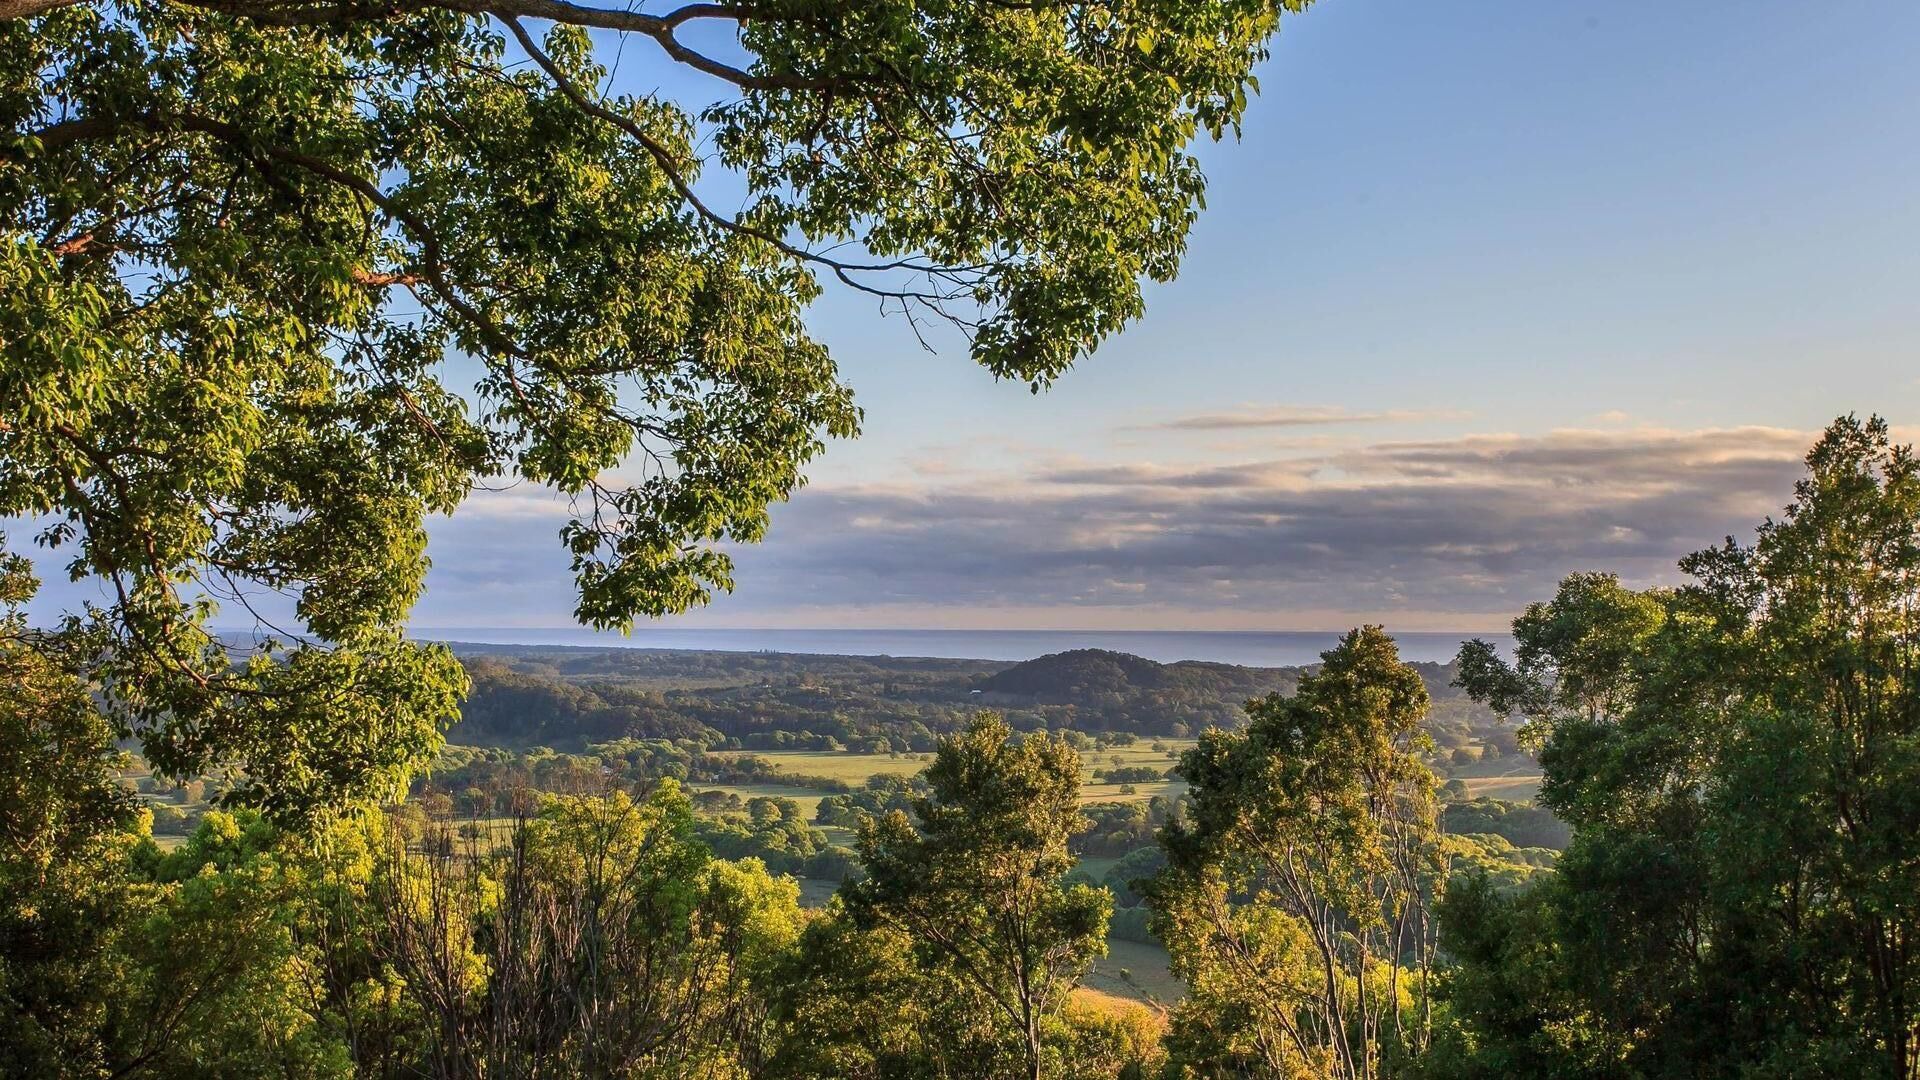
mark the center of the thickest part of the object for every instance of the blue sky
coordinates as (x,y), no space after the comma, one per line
(1486,293)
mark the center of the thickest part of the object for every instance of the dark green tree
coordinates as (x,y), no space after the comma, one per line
(852,1003)
(1738,759)
(66,826)
(974,882)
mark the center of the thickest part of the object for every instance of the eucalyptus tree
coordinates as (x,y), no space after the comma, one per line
(1296,900)
(974,884)
(282,277)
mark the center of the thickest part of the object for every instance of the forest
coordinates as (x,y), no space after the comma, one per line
(282,282)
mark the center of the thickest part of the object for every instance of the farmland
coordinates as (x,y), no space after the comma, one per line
(781,755)
(853,769)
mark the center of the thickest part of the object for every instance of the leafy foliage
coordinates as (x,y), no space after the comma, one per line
(247,240)
(1738,761)
(975,885)
(1295,899)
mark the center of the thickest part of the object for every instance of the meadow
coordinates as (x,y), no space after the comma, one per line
(854,768)
(1513,779)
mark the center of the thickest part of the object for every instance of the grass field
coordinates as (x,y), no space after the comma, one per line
(1093,793)
(1515,781)
(814,893)
(1518,787)
(1135,971)
(839,765)
(853,769)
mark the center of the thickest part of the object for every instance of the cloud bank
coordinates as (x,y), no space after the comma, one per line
(1439,534)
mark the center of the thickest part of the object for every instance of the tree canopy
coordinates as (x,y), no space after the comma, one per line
(280,278)
(1739,759)
(1295,897)
(976,884)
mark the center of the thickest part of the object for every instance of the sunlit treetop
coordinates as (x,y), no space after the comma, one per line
(280,278)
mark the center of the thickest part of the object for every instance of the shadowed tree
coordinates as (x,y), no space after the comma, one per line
(1739,759)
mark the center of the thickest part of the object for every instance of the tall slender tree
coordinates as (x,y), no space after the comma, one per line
(1296,897)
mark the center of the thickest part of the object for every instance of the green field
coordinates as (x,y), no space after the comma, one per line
(1145,977)
(1093,793)
(853,769)
(1515,788)
(814,893)
(839,765)
(1515,781)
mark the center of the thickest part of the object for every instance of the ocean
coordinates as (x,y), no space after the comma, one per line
(1251,648)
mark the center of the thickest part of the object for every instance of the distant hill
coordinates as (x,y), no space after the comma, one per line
(1068,674)
(568,697)
(1085,674)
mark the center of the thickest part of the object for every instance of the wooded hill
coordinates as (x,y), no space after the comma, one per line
(567,697)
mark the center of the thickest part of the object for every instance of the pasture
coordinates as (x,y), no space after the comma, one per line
(1135,971)
(853,769)
(1512,779)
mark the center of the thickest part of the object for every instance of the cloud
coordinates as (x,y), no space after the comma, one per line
(1289,416)
(1439,534)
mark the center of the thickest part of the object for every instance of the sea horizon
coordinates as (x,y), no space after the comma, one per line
(1249,648)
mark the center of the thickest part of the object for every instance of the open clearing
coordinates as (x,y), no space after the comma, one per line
(842,765)
(1135,971)
(1517,786)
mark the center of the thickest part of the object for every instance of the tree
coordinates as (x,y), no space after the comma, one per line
(975,885)
(1738,759)
(602,939)
(1295,901)
(115,960)
(66,822)
(1510,1004)
(246,240)
(851,1003)
(215,979)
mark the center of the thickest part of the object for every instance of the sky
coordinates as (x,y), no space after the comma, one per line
(1486,293)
